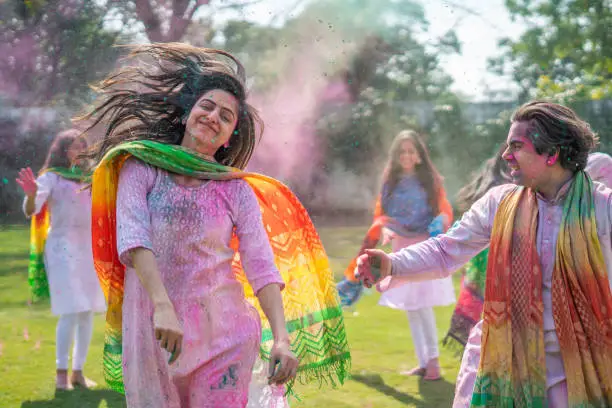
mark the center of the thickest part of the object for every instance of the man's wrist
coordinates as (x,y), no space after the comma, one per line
(390,267)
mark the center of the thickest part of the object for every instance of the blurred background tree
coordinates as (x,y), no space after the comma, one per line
(335,80)
(566,51)
(52,49)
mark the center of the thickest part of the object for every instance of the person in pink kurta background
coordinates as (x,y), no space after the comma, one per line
(190,338)
(599,167)
(443,255)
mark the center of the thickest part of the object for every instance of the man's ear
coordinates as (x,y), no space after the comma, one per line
(553,156)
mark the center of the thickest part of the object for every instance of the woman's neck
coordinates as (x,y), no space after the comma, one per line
(207,157)
(187,181)
(200,150)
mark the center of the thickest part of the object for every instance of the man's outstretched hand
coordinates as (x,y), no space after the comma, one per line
(372,267)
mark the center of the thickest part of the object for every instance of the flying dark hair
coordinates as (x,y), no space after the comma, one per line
(148,100)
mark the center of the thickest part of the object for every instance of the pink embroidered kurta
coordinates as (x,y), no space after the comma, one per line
(440,256)
(189,231)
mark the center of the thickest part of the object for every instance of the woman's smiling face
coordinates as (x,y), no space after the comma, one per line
(211,122)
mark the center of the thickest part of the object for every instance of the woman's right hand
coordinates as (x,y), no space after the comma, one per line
(168,330)
(27,182)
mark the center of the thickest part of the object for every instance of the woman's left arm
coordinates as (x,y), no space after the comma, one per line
(258,262)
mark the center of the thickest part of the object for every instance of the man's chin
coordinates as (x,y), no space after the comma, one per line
(520,181)
(526,183)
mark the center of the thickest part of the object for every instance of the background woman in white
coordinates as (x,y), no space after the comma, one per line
(73,284)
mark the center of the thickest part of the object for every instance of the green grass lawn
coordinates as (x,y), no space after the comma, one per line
(379,339)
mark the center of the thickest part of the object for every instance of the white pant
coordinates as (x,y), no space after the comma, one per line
(424,334)
(77,327)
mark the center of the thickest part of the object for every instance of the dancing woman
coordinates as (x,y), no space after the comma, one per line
(189,246)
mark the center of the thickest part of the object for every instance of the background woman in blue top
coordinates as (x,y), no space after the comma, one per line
(410,199)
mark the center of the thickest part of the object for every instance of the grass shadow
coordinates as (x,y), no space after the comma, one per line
(376,382)
(79,398)
(12,304)
(435,393)
(14,256)
(24,304)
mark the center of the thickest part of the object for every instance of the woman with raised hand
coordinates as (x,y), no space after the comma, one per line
(61,262)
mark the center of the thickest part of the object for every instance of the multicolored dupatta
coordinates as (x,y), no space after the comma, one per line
(512,370)
(468,310)
(314,317)
(39,228)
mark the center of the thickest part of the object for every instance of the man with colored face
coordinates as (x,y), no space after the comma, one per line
(546,335)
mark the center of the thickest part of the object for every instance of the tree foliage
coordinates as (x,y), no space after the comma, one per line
(391,76)
(52,49)
(565,52)
(379,72)
(167,20)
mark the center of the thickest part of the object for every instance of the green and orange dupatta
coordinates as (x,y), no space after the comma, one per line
(314,317)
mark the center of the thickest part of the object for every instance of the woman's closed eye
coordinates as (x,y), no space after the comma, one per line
(227,117)
(208,106)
